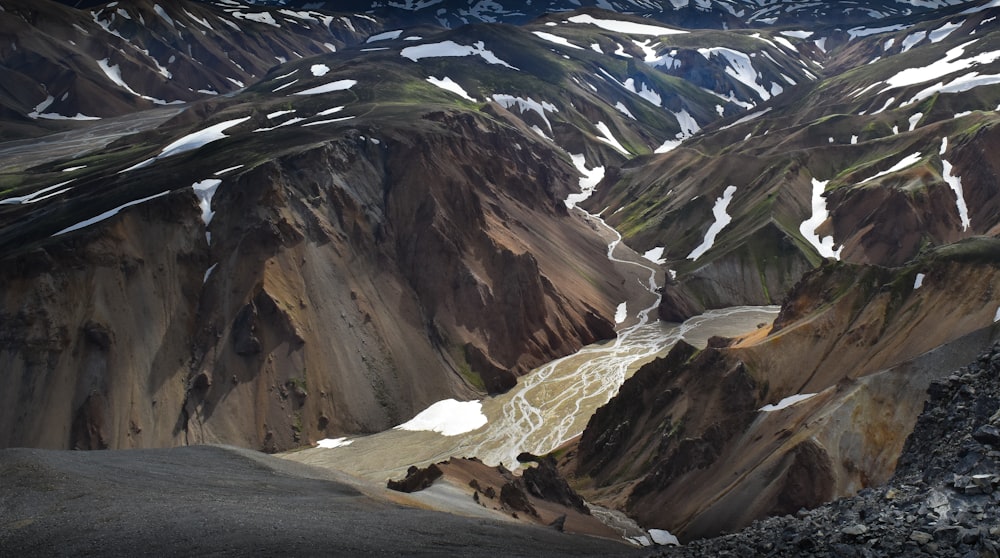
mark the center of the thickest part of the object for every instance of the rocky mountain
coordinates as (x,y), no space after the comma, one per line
(702,442)
(268,224)
(63,64)
(705,14)
(939,502)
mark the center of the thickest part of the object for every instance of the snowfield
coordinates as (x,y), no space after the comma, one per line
(339,85)
(721,220)
(448,84)
(447,49)
(626,27)
(824,245)
(448,418)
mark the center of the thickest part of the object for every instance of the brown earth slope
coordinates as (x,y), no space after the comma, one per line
(347,285)
(685,445)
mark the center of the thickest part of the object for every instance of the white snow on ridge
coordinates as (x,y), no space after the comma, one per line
(857,32)
(448,84)
(905,162)
(451,49)
(820,213)
(915,119)
(739,66)
(951,63)
(918,281)
(797,34)
(259,17)
(192,141)
(339,85)
(721,220)
(627,27)
(38,195)
(386,35)
(624,110)
(786,402)
(956,185)
(555,39)
(448,418)
(108,214)
(588,181)
(942,32)
(957,85)
(319,70)
(608,138)
(509,101)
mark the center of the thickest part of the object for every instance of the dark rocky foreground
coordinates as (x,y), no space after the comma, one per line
(218,501)
(943,500)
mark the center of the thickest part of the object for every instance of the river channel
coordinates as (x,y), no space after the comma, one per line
(553,403)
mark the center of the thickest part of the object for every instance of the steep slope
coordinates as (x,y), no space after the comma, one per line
(335,198)
(64,66)
(869,164)
(939,502)
(704,442)
(718,14)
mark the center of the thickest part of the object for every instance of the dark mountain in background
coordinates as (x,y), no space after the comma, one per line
(266,224)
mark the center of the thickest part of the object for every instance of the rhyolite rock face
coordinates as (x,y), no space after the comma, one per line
(688,445)
(346,286)
(941,501)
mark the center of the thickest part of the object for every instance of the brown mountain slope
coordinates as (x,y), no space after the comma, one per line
(351,279)
(686,446)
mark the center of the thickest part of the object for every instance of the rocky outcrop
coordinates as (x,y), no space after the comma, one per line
(689,446)
(941,500)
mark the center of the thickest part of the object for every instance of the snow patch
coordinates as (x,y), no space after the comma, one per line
(452,49)
(555,39)
(608,138)
(523,105)
(448,418)
(319,70)
(621,313)
(331,443)
(192,141)
(663,538)
(655,255)
(721,220)
(918,281)
(905,162)
(339,85)
(624,110)
(588,181)
(108,214)
(786,402)
(448,84)
(205,190)
(627,27)
(955,183)
(386,35)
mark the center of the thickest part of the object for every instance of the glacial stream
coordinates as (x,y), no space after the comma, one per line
(553,403)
